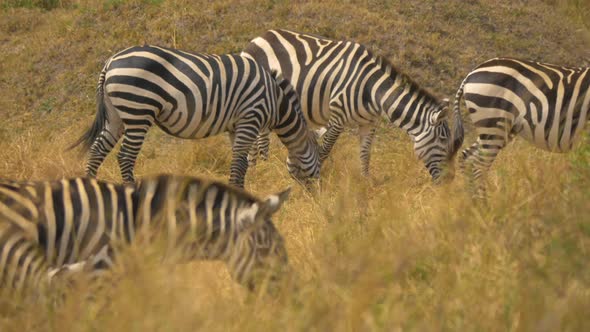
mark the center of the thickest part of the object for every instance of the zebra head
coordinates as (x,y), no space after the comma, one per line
(260,254)
(434,145)
(304,165)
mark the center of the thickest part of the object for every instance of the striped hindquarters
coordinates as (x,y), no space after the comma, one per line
(546,104)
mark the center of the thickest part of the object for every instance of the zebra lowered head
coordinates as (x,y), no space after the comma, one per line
(208,220)
(260,254)
(437,144)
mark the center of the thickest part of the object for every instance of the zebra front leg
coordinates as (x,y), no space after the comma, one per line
(329,139)
(366,136)
(465,155)
(102,146)
(243,142)
(260,147)
(133,138)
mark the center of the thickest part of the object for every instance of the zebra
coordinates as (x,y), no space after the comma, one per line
(84,221)
(343,82)
(22,262)
(194,96)
(546,104)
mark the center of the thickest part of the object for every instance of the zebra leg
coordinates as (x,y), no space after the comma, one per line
(253,154)
(465,155)
(133,139)
(466,165)
(260,147)
(242,143)
(479,163)
(329,139)
(103,145)
(263,143)
(366,136)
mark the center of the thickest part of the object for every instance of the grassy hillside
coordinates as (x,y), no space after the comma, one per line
(394,254)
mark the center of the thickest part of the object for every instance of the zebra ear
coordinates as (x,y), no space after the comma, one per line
(258,213)
(442,113)
(273,203)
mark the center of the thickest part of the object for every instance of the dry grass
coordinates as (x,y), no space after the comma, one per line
(395,254)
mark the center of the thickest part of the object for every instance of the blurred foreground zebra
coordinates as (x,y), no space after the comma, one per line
(22,261)
(547,105)
(342,82)
(195,96)
(85,220)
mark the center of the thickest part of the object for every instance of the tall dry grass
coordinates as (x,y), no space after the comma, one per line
(394,253)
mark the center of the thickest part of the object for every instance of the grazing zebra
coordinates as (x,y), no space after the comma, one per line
(342,82)
(82,220)
(22,262)
(547,105)
(195,96)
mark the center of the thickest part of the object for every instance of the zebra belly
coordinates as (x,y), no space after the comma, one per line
(196,125)
(547,146)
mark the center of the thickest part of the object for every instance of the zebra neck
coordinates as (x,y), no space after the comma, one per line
(290,126)
(403,103)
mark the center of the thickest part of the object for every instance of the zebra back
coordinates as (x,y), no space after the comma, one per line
(17,205)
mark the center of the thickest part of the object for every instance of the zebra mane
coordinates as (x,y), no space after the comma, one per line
(185,180)
(288,90)
(390,68)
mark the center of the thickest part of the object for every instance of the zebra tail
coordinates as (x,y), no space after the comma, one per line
(458,130)
(88,138)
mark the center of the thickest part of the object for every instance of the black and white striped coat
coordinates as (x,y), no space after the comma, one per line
(342,82)
(24,268)
(22,262)
(195,96)
(545,104)
(81,219)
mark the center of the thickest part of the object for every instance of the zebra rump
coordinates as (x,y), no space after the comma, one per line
(546,104)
